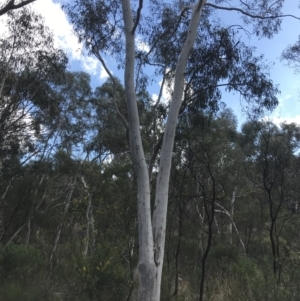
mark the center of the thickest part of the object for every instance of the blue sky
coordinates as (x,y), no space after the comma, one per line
(281,74)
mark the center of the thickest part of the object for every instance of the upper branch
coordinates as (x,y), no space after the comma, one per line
(249,14)
(96,52)
(11,5)
(138,16)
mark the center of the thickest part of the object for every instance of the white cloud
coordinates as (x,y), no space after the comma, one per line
(283,101)
(65,38)
(3,27)
(279,120)
(141,45)
(167,91)
(90,64)
(57,21)
(154,97)
(288,109)
(103,74)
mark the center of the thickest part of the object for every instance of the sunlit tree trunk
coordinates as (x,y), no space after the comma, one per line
(152,233)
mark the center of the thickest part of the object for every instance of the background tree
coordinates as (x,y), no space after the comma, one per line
(270,159)
(292,55)
(90,21)
(29,66)
(68,215)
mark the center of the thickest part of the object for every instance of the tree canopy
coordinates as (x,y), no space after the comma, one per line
(109,194)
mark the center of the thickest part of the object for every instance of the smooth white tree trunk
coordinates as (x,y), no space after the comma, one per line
(146,265)
(152,233)
(162,183)
(89,221)
(231,213)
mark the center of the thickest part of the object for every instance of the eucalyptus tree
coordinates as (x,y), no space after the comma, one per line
(292,55)
(183,43)
(208,158)
(43,109)
(272,164)
(30,65)
(111,136)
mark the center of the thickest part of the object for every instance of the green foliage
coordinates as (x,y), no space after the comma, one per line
(104,275)
(222,258)
(20,270)
(68,216)
(13,292)
(20,262)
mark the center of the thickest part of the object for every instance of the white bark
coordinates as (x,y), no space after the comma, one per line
(89,221)
(152,232)
(152,240)
(60,226)
(224,211)
(217,225)
(28,232)
(146,265)
(29,218)
(162,184)
(231,212)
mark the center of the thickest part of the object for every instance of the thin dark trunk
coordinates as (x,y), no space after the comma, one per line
(205,255)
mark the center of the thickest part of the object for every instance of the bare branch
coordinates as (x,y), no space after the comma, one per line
(224,211)
(7,188)
(245,4)
(11,6)
(144,59)
(161,89)
(182,14)
(249,14)
(154,154)
(99,57)
(155,149)
(138,16)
